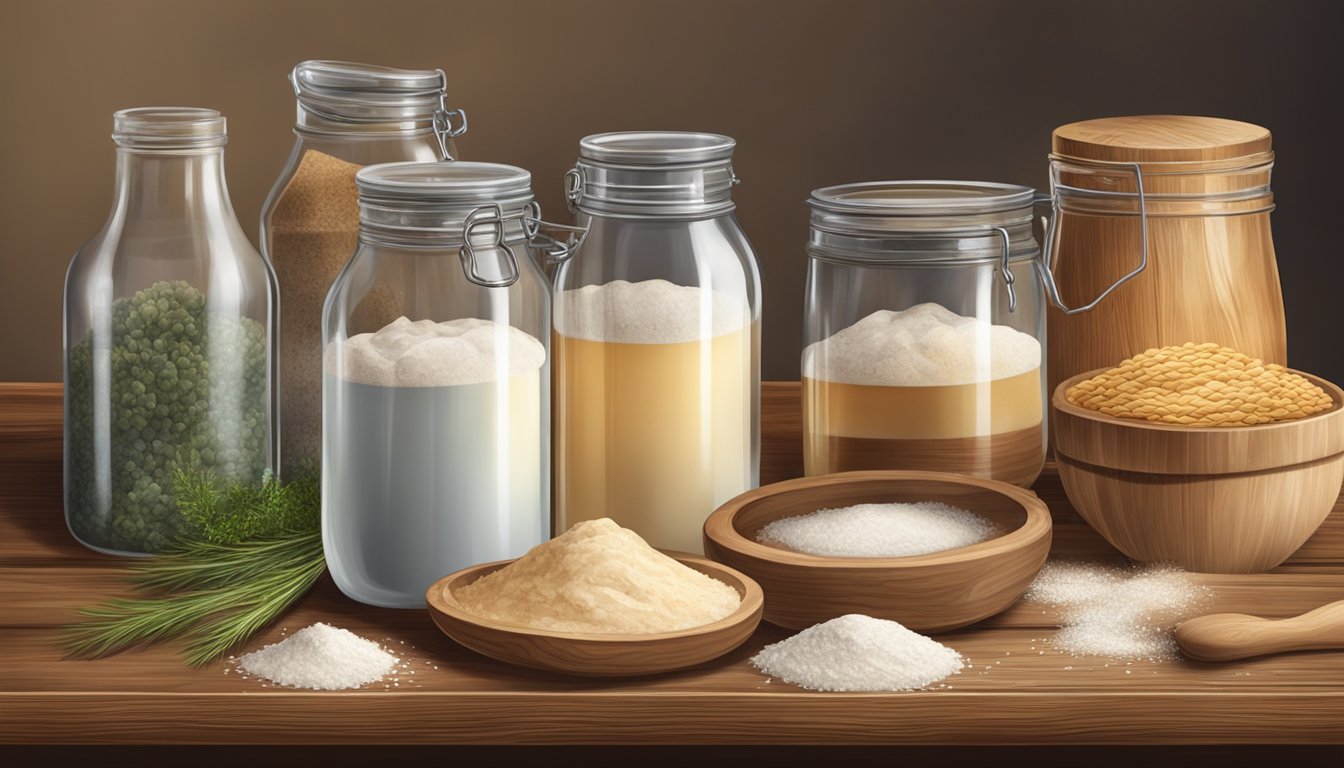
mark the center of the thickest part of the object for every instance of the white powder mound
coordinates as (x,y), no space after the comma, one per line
(321,657)
(424,353)
(879,530)
(647,312)
(1119,614)
(858,653)
(926,345)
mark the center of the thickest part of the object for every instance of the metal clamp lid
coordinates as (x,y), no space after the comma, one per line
(1051,227)
(443,119)
(555,251)
(657,174)
(342,92)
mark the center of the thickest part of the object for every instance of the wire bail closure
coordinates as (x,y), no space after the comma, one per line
(574,182)
(554,250)
(444,130)
(1006,271)
(1051,227)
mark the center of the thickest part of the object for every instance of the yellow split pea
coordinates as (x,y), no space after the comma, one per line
(1199,385)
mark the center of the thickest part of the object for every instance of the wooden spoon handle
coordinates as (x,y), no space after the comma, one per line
(1231,636)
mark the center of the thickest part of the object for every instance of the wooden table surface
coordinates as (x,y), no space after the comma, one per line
(1019,691)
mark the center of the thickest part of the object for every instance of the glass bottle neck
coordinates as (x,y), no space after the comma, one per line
(171,185)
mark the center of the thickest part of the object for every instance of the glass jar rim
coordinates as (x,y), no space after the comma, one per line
(331,76)
(169,128)
(666,175)
(657,148)
(352,92)
(921,197)
(448,183)
(878,209)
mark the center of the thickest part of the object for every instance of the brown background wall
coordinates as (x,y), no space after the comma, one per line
(815,92)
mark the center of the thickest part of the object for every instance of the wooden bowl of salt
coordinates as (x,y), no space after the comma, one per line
(597,654)
(932,592)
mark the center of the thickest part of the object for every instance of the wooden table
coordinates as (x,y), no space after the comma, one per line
(1019,691)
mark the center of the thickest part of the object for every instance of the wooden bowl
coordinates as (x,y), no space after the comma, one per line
(592,654)
(927,593)
(1211,499)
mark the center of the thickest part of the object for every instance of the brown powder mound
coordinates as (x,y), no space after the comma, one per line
(599,577)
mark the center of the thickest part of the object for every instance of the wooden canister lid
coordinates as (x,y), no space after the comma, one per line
(1160,139)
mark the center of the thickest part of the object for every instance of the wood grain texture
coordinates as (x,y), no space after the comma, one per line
(1014,457)
(1018,691)
(1226,500)
(1159,138)
(1222,637)
(1229,295)
(1211,274)
(597,655)
(928,593)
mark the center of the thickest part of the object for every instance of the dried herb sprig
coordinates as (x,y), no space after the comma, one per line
(260,549)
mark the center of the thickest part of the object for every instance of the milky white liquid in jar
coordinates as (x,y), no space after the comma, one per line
(433,455)
(925,388)
(654,430)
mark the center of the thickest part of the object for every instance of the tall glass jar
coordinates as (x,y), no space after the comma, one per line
(436,396)
(349,116)
(923,328)
(657,322)
(168,338)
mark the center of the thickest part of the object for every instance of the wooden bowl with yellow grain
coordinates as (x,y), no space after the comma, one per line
(1210,499)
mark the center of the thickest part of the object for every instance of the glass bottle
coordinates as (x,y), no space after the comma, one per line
(168,341)
(657,323)
(436,396)
(349,116)
(924,321)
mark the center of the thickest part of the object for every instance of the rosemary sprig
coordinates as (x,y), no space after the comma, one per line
(283,588)
(260,550)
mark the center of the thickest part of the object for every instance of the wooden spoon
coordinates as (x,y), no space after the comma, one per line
(1231,636)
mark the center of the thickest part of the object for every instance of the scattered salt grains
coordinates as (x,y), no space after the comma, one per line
(1117,613)
(320,657)
(859,653)
(879,530)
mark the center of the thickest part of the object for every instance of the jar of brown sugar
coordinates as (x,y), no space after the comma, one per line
(349,116)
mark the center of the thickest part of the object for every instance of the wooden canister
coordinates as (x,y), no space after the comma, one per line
(1199,186)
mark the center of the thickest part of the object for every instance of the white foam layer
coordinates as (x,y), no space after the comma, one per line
(926,345)
(424,353)
(647,312)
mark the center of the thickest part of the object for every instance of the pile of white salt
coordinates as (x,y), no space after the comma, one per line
(879,530)
(858,653)
(321,657)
